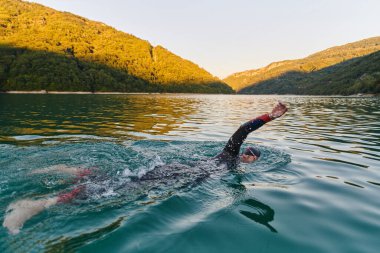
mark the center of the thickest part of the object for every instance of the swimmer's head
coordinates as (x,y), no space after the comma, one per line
(250,155)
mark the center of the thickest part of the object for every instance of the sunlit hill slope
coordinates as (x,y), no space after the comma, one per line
(44,49)
(348,69)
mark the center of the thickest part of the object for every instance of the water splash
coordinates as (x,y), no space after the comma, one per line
(114,190)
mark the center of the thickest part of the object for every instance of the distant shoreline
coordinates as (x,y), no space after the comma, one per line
(156,93)
(72,92)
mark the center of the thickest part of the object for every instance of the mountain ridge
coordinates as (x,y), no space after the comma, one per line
(245,81)
(93,49)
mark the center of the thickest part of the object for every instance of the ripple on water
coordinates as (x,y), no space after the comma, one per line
(107,201)
(319,188)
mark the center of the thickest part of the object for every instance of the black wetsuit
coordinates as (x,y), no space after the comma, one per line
(229,156)
(230,153)
(183,175)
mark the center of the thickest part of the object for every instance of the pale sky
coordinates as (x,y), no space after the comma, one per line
(227,36)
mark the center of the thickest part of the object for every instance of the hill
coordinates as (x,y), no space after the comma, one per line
(348,69)
(41,48)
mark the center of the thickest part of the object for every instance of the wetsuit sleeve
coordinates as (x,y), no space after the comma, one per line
(234,143)
(68,197)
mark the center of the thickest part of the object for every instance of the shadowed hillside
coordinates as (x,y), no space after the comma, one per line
(65,51)
(30,70)
(358,75)
(292,76)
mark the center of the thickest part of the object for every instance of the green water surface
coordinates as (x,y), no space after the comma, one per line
(315,188)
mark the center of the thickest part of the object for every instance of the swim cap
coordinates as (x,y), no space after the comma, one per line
(252,151)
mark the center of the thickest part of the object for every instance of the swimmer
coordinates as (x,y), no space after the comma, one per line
(18,212)
(230,154)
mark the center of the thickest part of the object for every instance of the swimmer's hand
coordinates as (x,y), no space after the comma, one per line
(279,110)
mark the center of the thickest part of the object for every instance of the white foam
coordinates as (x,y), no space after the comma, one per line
(127,173)
(109,193)
(156,162)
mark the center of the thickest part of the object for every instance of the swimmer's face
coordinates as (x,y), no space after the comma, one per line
(248,158)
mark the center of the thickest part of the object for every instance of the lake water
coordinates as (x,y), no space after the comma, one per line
(316,187)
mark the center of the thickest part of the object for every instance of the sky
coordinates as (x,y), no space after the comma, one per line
(228,36)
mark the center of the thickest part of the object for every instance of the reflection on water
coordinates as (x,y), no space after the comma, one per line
(71,244)
(92,115)
(260,213)
(323,122)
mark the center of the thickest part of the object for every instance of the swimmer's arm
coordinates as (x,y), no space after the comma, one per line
(237,139)
(234,143)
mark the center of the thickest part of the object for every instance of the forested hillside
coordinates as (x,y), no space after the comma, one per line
(348,69)
(41,48)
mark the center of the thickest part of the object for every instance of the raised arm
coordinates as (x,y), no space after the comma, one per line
(234,143)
